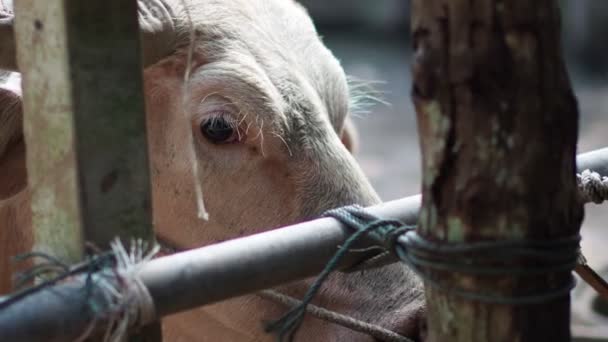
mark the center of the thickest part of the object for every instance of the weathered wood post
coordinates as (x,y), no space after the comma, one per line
(84,123)
(498,131)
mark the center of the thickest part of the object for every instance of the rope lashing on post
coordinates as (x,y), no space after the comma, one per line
(124,301)
(426,257)
(592,187)
(419,254)
(132,304)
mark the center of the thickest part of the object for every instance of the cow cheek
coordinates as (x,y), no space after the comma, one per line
(253,198)
(16,236)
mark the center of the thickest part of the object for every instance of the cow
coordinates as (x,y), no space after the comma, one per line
(267,105)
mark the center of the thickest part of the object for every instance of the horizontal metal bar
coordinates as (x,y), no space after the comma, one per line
(59,314)
(239,266)
(210,274)
(589,333)
(596,160)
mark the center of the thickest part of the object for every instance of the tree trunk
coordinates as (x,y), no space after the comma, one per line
(498,128)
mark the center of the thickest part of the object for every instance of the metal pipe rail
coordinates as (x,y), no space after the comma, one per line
(210,274)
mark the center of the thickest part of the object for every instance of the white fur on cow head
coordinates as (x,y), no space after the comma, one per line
(260,66)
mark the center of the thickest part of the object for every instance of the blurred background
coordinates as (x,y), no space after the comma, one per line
(371,38)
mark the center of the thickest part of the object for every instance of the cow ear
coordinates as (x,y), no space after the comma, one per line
(13,176)
(349,136)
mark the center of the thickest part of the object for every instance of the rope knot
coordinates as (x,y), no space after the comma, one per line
(363,223)
(383,231)
(592,186)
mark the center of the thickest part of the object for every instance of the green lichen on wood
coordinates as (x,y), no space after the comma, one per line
(52,175)
(427,219)
(456,229)
(447,314)
(438,127)
(57,226)
(48,128)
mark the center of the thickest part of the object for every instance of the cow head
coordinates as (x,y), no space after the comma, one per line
(266,105)
(261,125)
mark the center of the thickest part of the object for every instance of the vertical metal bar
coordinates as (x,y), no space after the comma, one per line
(84,123)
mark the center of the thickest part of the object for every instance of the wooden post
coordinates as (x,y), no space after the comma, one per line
(498,130)
(84,123)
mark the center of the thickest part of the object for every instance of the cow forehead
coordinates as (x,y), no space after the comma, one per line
(275,20)
(281,38)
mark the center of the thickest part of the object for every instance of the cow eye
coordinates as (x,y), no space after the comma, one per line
(218,130)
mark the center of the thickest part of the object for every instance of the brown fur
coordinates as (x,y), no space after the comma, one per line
(15,219)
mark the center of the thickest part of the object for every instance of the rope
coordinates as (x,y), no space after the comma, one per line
(354,324)
(291,321)
(424,257)
(112,285)
(135,294)
(592,187)
(130,303)
(94,264)
(134,305)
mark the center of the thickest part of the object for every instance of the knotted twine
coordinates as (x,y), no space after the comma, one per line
(115,292)
(492,258)
(130,302)
(592,187)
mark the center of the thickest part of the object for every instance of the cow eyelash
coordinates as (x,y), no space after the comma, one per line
(221,128)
